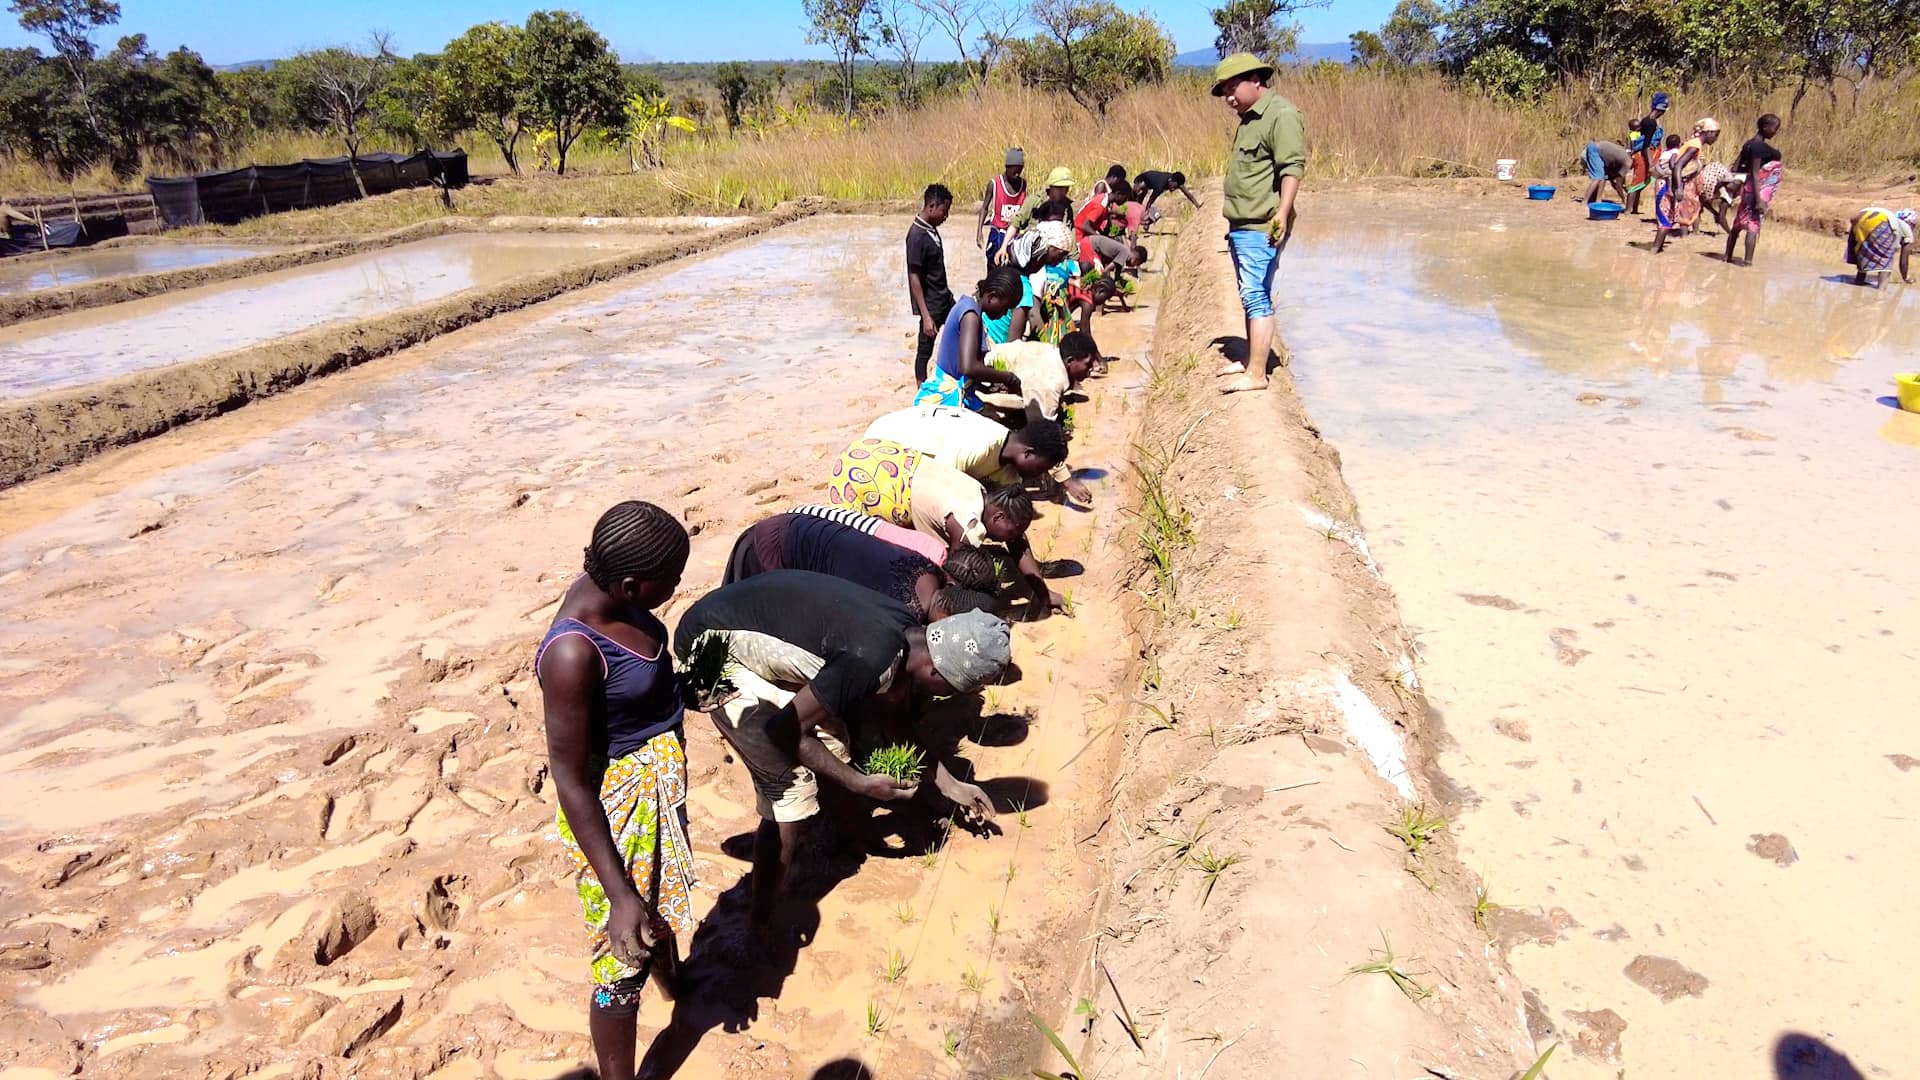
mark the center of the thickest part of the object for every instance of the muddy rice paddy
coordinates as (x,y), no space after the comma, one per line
(39,272)
(1654,533)
(82,347)
(279,787)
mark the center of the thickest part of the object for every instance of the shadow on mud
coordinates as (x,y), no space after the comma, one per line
(1799,1056)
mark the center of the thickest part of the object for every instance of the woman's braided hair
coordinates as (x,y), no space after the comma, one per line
(636,540)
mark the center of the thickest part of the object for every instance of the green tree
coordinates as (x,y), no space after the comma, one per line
(1366,48)
(573,80)
(405,109)
(846,28)
(69,26)
(1502,72)
(1411,35)
(1261,27)
(338,87)
(735,84)
(482,86)
(1091,50)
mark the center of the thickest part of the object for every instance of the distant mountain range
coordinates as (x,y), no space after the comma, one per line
(1307,53)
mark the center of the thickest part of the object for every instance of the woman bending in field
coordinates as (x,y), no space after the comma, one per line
(617,753)
(961,350)
(1876,237)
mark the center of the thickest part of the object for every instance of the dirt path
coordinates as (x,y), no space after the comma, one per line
(281,805)
(1277,734)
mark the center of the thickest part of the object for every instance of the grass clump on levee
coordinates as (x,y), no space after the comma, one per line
(900,762)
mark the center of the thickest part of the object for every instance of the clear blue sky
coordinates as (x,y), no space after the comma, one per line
(230,31)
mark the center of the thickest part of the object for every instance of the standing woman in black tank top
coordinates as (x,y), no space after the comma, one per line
(616,746)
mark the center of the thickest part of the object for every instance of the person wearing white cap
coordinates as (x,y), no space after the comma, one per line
(1005,194)
(808,655)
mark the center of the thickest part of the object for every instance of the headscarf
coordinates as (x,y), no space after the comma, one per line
(970,649)
(1707,123)
(1660,102)
(1055,234)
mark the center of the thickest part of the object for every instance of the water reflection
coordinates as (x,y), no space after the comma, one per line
(86,346)
(1583,302)
(74,268)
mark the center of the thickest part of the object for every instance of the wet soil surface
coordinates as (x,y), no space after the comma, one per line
(280,799)
(1653,528)
(87,346)
(59,271)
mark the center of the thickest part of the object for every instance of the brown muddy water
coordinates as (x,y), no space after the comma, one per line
(1656,538)
(274,751)
(85,346)
(52,272)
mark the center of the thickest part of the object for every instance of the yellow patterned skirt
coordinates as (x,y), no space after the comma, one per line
(644,795)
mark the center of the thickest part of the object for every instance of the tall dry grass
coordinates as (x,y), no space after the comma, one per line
(1359,124)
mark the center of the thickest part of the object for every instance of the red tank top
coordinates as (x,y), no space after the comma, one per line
(1006,204)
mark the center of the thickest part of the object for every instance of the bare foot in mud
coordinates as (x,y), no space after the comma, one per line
(1243,384)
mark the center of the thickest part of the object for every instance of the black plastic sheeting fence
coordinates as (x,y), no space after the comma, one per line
(226,197)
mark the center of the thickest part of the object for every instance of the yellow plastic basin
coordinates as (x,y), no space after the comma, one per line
(1907,388)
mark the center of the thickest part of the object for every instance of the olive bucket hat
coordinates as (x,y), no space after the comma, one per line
(1237,65)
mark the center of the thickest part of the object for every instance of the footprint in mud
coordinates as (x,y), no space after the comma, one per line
(1492,601)
(1904,762)
(1667,978)
(1563,647)
(1600,1037)
(1773,846)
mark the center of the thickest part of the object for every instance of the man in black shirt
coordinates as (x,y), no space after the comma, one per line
(1150,185)
(927,273)
(807,651)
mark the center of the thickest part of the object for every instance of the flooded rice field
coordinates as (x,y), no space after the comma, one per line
(82,347)
(278,775)
(78,267)
(1656,536)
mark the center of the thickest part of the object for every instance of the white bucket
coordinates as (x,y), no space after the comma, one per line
(1503,169)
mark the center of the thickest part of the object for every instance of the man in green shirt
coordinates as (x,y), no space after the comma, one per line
(1263,176)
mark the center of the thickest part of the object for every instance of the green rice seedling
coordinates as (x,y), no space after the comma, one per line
(1067,420)
(1212,864)
(1381,961)
(1066,603)
(972,980)
(896,966)
(950,1043)
(1150,674)
(876,1020)
(1125,1014)
(931,857)
(1416,828)
(901,761)
(1060,1045)
(1482,905)
(1159,719)
(1539,1064)
(1020,815)
(1235,617)
(905,914)
(1012,871)
(993,918)
(1177,849)
(704,666)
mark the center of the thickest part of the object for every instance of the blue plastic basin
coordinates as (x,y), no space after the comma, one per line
(1540,192)
(1604,211)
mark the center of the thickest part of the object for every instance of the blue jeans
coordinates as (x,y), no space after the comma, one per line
(1254,261)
